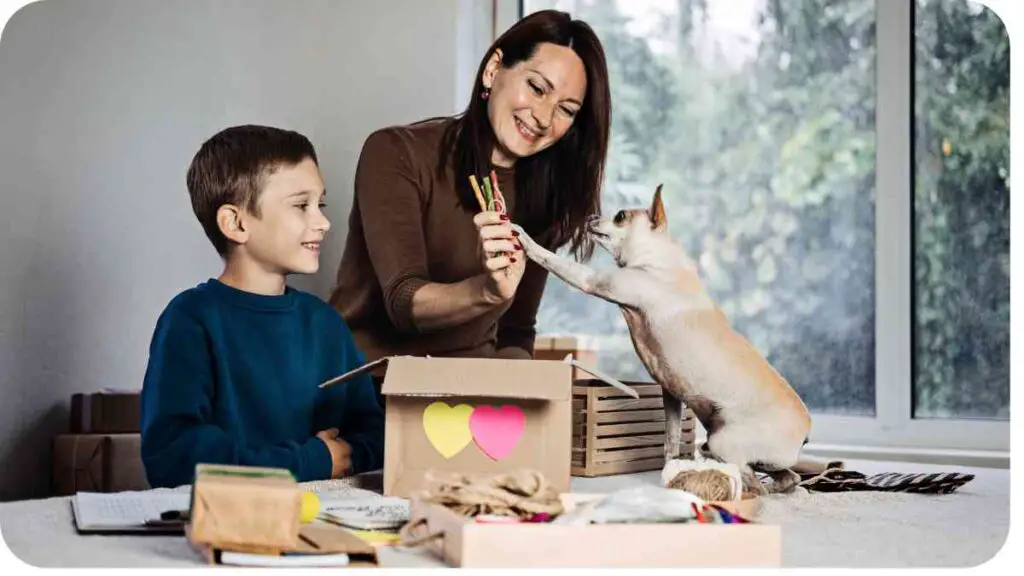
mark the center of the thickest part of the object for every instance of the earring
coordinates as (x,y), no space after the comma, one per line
(485,93)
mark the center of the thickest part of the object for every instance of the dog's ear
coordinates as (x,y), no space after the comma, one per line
(657,211)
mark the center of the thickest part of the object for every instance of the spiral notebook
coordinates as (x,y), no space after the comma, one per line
(127,512)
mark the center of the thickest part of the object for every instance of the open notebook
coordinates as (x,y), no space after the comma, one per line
(127,512)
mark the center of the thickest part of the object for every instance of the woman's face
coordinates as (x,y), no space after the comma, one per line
(533,104)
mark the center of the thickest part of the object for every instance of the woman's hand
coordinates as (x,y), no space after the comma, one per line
(502,256)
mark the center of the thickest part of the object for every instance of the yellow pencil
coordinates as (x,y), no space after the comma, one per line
(479,195)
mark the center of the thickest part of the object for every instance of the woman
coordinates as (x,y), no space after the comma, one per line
(425,271)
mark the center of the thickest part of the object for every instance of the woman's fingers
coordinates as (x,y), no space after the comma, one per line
(489,219)
(498,262)
(493,246)
(495,232)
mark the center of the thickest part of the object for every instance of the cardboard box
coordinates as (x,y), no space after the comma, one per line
(557,347)
(461,542)
(245,508)
(106,412)
(473,415)
(97,463)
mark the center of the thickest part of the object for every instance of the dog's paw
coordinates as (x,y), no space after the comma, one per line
(524,239)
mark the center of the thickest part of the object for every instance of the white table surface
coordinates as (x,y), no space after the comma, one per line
(864,529)
(42,532)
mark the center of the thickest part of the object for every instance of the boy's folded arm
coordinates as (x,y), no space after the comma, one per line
(352,408)
(364,429)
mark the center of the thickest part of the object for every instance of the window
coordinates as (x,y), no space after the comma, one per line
(961,213)
(759,120)
(785,134)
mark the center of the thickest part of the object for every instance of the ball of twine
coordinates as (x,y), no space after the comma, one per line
(708,485)
(522,493)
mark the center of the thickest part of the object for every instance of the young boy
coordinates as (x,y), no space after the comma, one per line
(235,362)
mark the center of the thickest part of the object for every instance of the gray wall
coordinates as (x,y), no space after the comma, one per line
(102,105)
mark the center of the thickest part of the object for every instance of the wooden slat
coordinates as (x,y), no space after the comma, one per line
(642,390)
(612,392)
(629,441)
(633,428)
(631,416)
(607,405)
(578,458)
(591,424)
(628,467)
(629,454)
(580,417)
(579,438)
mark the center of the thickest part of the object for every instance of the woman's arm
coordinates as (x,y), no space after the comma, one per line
(389,194)
(436,306)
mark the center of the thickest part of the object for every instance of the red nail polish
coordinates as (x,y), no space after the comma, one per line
(519,247)
(516,234)
(504,217)
(513,260)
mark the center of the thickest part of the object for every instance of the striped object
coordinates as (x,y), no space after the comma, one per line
(836,479)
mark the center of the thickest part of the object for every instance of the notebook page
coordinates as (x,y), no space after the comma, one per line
(124,509)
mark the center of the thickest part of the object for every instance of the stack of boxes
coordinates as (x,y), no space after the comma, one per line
(102,451)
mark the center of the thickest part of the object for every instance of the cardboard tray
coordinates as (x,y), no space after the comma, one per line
(464,543)
(316,538)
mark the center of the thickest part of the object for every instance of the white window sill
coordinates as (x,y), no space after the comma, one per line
(939,456)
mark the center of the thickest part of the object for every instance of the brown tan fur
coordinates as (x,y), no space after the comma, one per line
(752,415)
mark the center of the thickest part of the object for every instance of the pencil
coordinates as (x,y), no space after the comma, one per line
(476,190)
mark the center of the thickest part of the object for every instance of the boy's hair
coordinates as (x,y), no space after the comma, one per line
(232,167)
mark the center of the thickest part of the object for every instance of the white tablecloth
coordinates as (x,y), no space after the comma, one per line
(861,529)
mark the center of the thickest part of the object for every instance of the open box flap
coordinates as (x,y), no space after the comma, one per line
(534,379)
(602,377)
(409,375)
(356,372)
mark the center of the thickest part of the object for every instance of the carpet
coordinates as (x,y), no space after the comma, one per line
(880,529)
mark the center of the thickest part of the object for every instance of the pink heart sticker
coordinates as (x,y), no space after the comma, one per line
(497,430)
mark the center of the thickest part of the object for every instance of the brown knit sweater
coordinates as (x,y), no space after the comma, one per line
(406,229)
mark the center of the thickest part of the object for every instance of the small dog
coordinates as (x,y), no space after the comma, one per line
(753,417)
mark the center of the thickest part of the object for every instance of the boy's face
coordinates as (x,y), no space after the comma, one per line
(286,237)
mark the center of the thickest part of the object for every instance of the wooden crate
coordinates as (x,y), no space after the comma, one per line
(613,433)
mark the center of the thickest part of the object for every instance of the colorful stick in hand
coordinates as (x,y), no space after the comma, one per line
(490,198)
(479,195)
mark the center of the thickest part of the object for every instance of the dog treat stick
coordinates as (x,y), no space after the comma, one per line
(497,193)
(476,190)
(488,195)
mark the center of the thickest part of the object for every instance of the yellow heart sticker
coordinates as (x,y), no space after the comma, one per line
(447,427)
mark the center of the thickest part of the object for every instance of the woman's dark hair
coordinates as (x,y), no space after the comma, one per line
(559,188)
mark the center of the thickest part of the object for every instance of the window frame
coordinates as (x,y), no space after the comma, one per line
(892,432)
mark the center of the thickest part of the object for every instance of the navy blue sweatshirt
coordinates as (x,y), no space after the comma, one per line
(233,379)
